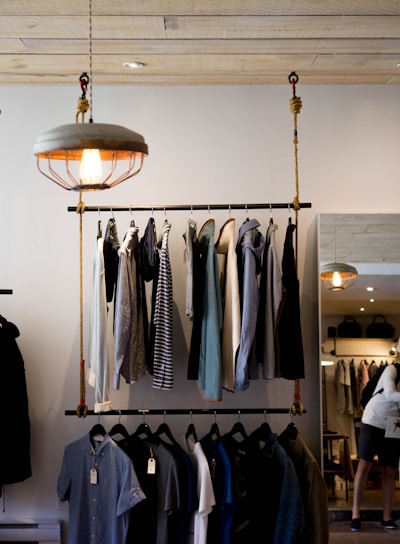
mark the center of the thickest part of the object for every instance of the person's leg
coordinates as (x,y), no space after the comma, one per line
(360,482)
(388,487)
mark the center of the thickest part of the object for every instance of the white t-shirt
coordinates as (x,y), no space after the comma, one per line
(385,403)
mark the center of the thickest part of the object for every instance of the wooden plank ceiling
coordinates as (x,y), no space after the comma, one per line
(204,42)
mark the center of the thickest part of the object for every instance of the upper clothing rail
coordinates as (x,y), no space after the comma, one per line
(189,207)
(187,411)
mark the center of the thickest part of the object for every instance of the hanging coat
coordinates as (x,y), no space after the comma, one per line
(288,338)
(249,249)
(210,371)
(270,299)
(149,270)
(231,303)
(129,350)
(98,350)
(15,464)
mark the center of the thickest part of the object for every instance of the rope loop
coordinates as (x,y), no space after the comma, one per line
(84,81)
(83,103)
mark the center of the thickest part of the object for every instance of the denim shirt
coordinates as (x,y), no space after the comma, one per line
(249,248)
(98,511)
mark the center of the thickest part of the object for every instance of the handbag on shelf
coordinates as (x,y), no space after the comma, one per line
(349,328)
(380,328)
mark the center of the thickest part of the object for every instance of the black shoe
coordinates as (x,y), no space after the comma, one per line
(356,524)
(389,524)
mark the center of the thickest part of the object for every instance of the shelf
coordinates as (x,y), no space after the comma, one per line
(360,347)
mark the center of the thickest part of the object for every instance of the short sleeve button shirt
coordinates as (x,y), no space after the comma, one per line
(98,511)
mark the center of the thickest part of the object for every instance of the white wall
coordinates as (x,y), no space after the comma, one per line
(207,145)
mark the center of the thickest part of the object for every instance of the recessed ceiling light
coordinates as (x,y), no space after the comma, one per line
(133,64)
(362,309)
(398,65)
(369,288)
(372,300)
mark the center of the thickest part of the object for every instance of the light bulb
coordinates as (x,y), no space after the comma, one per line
(336,280)
(91,170)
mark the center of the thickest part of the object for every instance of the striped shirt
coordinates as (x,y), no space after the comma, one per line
(163,376)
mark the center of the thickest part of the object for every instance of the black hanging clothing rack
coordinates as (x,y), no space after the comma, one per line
(6,291)
(185,207)
(187,411)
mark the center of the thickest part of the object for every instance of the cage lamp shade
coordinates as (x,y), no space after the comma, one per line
(90,156)
(338,276)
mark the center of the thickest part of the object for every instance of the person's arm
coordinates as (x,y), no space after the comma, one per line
(389,384)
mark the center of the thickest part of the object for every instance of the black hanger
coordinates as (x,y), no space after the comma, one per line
(238,428)
(164,429)
(97,430)
(99,229)
(118,428)
(144,431)
(292,430)
(214,431)
(191,432)
(261,434)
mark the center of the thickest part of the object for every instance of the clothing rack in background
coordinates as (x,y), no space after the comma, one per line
(6,291)
(186,411)
(194,207)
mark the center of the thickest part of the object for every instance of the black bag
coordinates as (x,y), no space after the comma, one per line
(370,386)
(381,329)
(349,328)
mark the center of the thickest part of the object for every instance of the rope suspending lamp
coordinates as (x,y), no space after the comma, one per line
(88,157)
(295,107)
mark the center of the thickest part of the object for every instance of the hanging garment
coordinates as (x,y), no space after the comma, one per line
(280,507)
(98,349)
(189,236)
(220,520)
(100,483)
(156,520)
(210,371)
(231,303)
(129,351)
(344,401)
(111,258)
(312,487)
(15,463)
(288,338)
(163,370)
(149,270)
(200,252)
(270,299)
(204,490)
(249,248)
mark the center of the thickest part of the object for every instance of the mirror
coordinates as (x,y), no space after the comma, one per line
(370,243)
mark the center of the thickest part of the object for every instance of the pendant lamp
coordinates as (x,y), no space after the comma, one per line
(89,156)
(337,276)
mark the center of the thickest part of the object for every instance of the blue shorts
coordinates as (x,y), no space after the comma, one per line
(372,441)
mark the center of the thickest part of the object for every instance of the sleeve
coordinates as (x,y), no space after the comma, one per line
(64,479)
(131,492)
(389,384)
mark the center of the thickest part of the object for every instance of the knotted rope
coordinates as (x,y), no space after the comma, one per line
(81,409)
(295,105)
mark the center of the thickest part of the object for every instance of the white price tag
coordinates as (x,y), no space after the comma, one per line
(93,476)
(151,466)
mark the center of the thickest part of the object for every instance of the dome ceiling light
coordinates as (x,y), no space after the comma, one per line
(337,276)
(89,156)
